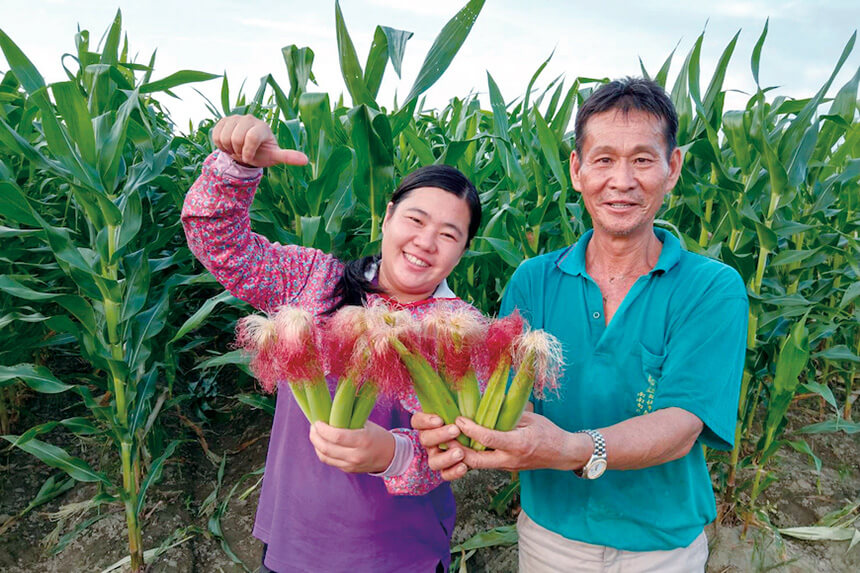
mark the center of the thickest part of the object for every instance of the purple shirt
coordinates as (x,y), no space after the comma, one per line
(317,518)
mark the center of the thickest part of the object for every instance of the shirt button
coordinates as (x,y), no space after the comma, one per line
(596,314)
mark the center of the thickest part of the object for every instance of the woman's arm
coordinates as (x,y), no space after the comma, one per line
(218,229)
(217,225)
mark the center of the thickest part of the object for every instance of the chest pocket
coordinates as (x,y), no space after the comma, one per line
(652,369)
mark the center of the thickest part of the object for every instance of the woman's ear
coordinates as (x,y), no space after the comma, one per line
(389,210)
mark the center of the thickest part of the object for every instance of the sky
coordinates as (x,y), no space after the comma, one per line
(509,40)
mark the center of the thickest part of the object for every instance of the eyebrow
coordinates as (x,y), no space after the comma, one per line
(452,226)
(638,149)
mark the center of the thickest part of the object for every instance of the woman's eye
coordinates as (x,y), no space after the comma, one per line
(449,237)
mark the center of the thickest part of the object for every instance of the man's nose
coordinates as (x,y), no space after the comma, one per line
(622,176)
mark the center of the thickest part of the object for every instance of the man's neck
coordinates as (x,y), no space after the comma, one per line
(611,258)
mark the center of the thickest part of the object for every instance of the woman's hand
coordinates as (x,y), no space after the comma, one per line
(251,142)
(432,433)
(368,450)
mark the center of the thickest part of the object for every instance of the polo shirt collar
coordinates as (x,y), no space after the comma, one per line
(572,259)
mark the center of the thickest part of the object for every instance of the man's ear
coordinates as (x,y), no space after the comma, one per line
(574,170)
(676,160)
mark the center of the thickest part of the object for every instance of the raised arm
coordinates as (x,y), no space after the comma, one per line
(217,225)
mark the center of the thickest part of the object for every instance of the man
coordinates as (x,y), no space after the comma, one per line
(613,470)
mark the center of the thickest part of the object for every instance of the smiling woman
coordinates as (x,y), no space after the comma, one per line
(343,496)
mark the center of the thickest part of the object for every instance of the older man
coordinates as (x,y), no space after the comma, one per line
(613,470)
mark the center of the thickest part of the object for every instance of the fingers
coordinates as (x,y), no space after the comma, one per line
(329,452)
(251,141)
(448,462)
(340,436)
(291,157)
(255,134)
(455,472)
(424,421)
(222,134)
(489,438)
(443,435)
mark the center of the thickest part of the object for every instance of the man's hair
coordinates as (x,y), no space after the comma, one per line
(624,95)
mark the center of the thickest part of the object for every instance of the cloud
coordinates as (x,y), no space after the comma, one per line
(435,8)
(291,27)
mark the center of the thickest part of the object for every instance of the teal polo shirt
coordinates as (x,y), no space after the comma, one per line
(678,339)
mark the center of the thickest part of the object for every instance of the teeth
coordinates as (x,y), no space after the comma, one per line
(415,260)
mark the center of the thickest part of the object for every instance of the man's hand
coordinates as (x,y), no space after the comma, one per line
(536,443)
(369,449)
(251,142)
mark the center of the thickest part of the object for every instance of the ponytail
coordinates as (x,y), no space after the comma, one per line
(353,287)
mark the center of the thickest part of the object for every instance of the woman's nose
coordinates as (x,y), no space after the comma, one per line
(425,239)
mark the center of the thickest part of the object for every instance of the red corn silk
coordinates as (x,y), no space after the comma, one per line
(385,368)
(344,341)
(298,360)
(256,336)
(264,367)
(450,335)
(499,342)
(296,352)
(546,356)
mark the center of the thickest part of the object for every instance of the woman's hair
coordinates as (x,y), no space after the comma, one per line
(353,287)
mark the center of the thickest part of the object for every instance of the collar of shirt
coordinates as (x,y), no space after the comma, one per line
(442,291)
(572,259)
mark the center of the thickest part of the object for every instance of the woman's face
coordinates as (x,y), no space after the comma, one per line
(423,238)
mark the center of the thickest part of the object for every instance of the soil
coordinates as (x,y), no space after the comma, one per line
(177,506)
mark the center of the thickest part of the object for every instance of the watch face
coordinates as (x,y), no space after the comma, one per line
(596,469)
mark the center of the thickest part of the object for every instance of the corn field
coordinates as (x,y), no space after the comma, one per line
(95,270)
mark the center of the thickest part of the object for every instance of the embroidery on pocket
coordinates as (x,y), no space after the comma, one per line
(645,400)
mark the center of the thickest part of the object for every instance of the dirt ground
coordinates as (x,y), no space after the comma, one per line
(177,508)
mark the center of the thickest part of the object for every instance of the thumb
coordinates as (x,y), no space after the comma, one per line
(290,157)
(489,438)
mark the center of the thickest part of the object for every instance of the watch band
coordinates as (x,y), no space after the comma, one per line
(596,464)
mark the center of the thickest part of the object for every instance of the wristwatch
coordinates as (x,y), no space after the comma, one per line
(596,465)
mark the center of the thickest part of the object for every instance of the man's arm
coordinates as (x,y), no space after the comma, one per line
(536,443)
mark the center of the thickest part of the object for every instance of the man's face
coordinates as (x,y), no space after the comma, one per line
(623,173)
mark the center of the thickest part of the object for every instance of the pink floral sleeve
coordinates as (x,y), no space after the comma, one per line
(264,274)
(417,478)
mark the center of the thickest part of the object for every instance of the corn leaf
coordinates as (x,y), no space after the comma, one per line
(60,459)
(36,377)
(444,48)
(176,79)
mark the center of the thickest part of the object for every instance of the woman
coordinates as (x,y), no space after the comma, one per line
(342,500)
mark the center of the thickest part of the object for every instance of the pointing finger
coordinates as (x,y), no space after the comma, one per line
(291,157)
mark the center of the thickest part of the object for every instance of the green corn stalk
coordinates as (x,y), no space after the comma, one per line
(114,312)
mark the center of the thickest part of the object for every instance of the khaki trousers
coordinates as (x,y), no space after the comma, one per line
(544,551)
